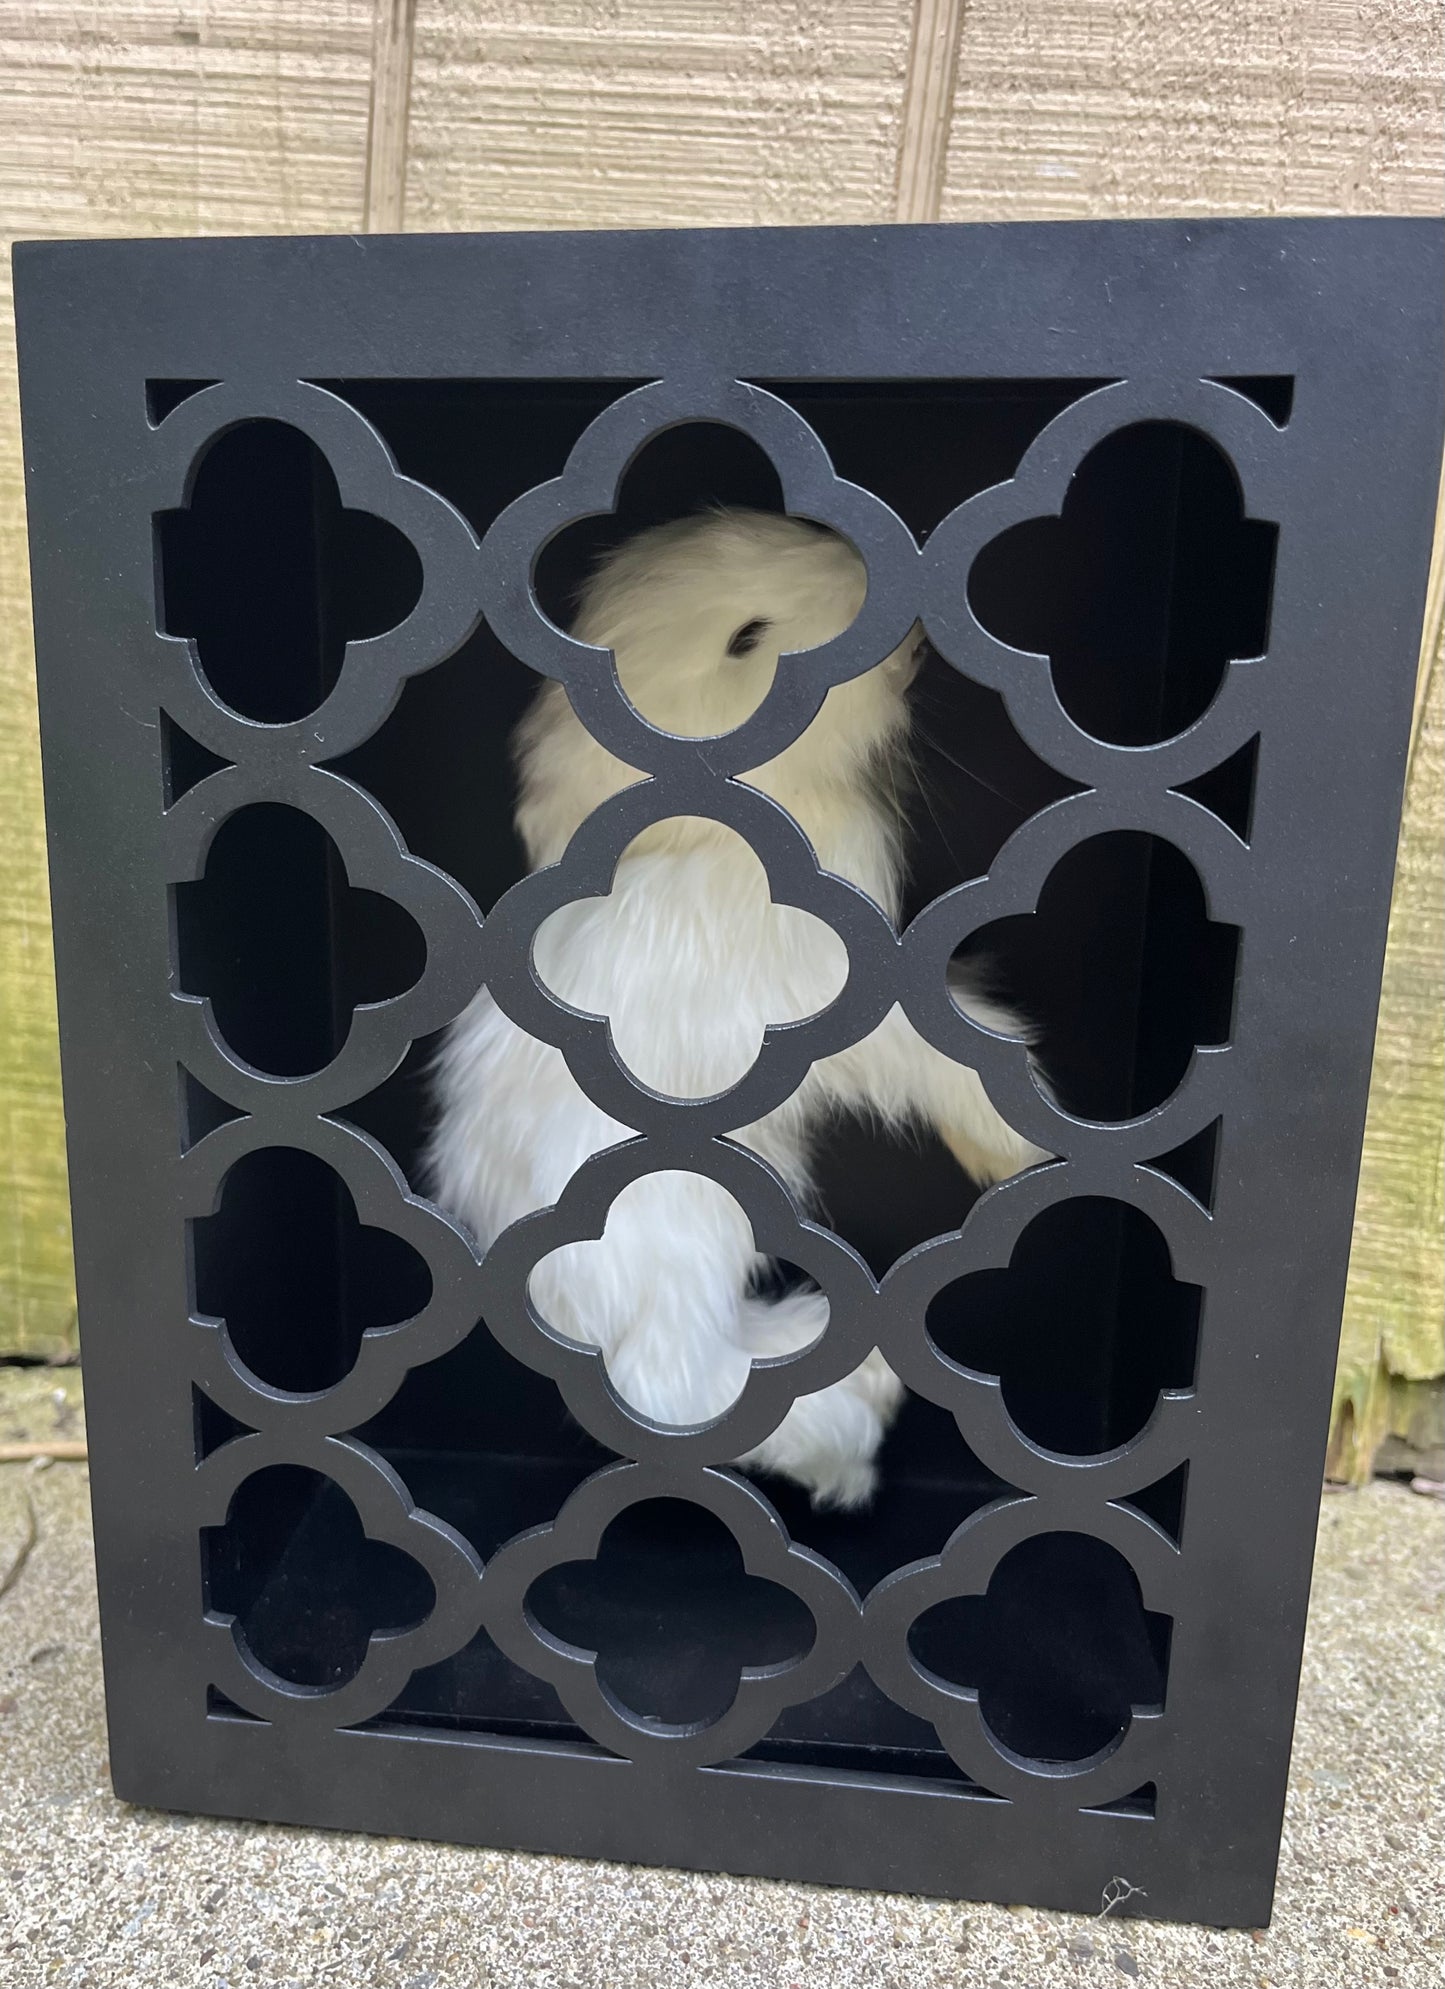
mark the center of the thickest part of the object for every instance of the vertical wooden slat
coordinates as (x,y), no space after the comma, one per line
(928,108)
(1392,1350)
(1434,620)
(393,35)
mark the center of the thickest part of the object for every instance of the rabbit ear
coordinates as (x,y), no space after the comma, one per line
(746,639)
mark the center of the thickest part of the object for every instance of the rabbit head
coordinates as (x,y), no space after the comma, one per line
(697,613)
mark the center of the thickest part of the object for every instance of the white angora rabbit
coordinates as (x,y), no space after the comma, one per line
(690,959)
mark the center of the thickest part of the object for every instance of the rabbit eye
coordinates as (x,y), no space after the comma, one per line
(745,640)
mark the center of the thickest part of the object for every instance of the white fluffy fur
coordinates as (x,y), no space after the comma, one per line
(690,960)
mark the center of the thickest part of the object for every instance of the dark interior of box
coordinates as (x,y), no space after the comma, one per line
(1140,593)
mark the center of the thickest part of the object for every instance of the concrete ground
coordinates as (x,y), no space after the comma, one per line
(94,1894)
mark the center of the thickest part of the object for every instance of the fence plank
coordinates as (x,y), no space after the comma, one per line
(1392,1351)
(1137,107)
(615,113)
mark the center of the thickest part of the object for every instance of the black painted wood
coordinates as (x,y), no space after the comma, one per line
(375,1549)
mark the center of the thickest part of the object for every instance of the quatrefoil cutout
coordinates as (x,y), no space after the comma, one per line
(676,1247)
(868,612)
(1085,1329)
(1059,1650)
(1140,605)
(697,593)
(794,878)
(1119,970)
(282,946)
(699,1704)
(670,1614)
(270,576)
(689,959)
(305,1589)
(293,1274)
